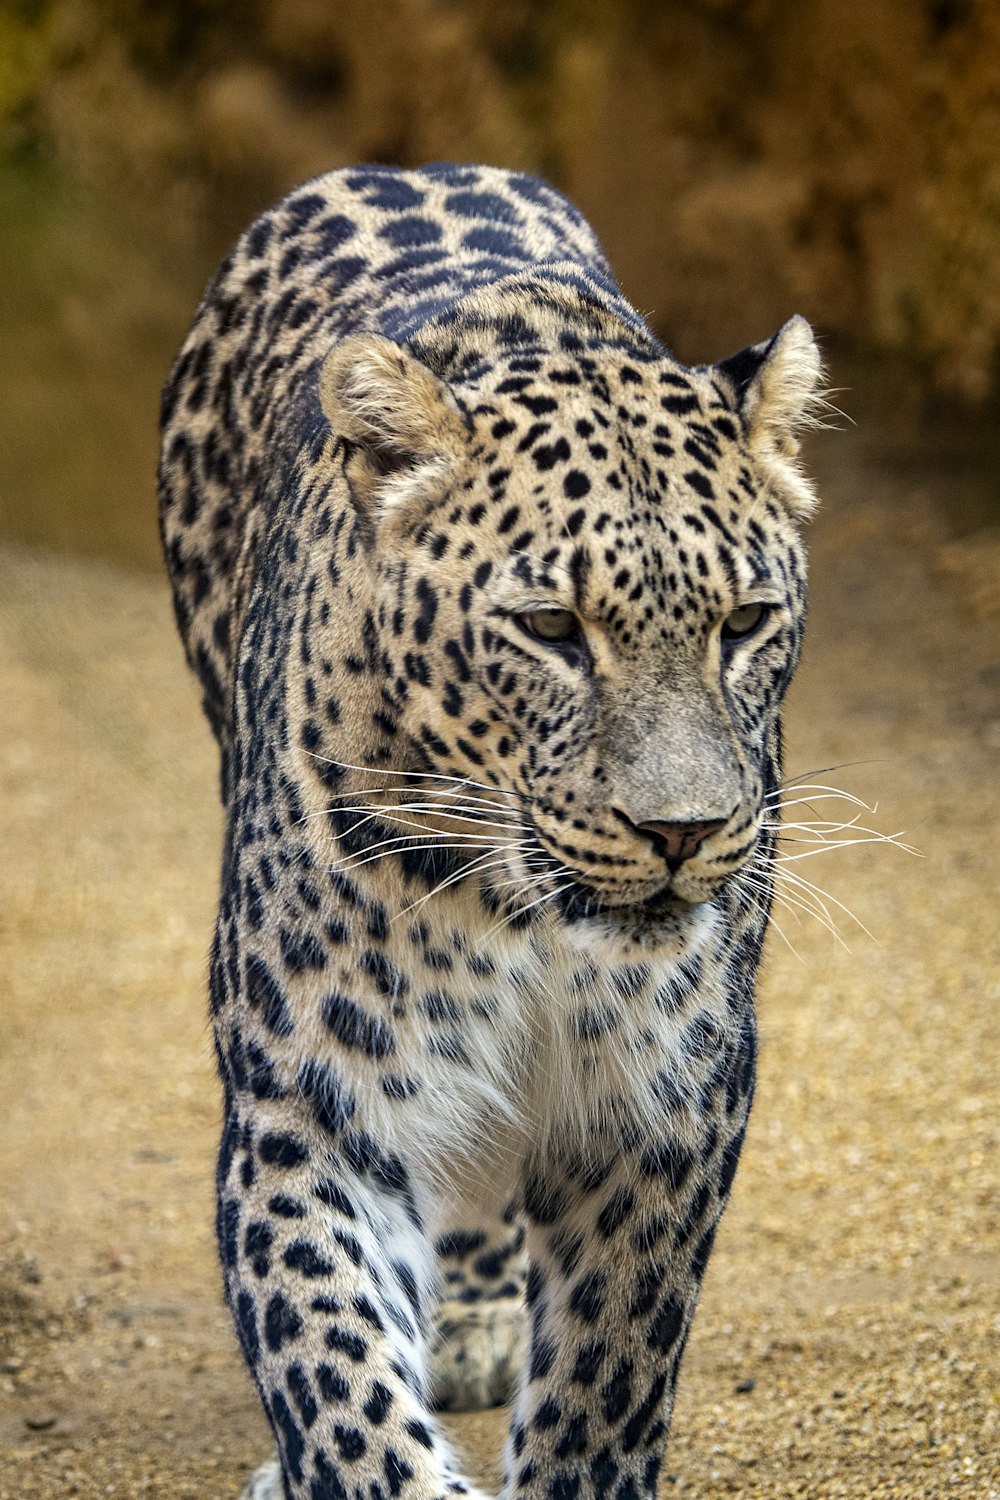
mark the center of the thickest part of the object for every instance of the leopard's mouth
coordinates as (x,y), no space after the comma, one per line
(628,914)
(659,924)
(577,902)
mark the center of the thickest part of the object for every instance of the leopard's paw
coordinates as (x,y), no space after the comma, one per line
(265,1483)
(477,1353)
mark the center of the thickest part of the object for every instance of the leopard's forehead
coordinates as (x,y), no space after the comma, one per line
(610,439)
(619,479)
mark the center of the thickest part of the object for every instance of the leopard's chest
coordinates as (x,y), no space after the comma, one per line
(526,1042)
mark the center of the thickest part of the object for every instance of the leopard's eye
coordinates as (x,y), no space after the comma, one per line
(743,621)
(556,625)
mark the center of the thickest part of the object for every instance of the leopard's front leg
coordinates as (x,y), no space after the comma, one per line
(329,1275)
(618,1243)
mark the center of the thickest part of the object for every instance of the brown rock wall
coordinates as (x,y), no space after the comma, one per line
(741,158)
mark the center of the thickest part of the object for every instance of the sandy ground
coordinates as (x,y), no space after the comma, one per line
(848,1342)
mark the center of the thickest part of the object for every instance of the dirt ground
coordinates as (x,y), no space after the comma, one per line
(848,1341)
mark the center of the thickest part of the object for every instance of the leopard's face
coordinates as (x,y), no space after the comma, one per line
(592,613)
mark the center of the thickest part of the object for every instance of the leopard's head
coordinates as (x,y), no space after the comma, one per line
(590,601)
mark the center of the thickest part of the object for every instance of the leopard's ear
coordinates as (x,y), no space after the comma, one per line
(403,424)
(777,389)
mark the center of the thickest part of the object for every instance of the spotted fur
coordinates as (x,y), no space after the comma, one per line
(493,605)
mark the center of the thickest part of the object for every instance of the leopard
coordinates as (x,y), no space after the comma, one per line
(493,604)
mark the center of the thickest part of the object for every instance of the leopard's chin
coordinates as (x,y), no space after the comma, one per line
(662,923)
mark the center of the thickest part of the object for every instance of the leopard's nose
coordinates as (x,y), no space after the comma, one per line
(681,840)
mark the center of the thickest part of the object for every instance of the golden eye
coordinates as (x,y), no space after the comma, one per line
(557,625)
(743,621)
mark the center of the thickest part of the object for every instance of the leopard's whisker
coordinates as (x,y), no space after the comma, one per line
(383,816)
(824,834)
(793,904)
(790,782)
(553,871)
(413,775)
(799,902)
(522,910)
(773,922)
(380,850)
(818,822)
(816,832)
(528,855)
(453,813)
(464,842)
(806,888)
(829,845)
(478,805)
(817,793)
(384,809)
(459,791)
(784,935)
(390,814)
(490,858)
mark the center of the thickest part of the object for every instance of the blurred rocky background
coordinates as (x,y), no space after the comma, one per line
(740,159)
